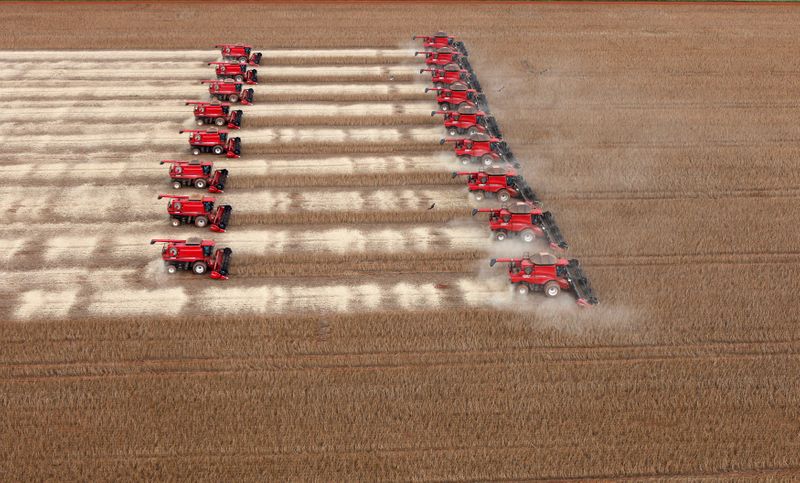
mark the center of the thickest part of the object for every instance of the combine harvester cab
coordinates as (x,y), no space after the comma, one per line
(229,90)
(213,141)
(216,112)
(198,211)
(440,40)
(457,95)
(200,174)
(242,53)
(503,183)
(469,120)
(482,148)
(448,75)
(441,57)
(196,255)
(547,273)
(526,221)
(235,71)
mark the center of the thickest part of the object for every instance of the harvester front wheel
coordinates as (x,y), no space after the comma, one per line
(201,222)
(523,289)
(220,121)
(218,149)
(200,183)
(503,196)
(500,236)
(175,222)
(527,236)
(233,98)
(478,195)
(199,268)
(172,269)
(196,151)
(551,288)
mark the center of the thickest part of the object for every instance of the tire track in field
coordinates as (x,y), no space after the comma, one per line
(622,195)
(496,357)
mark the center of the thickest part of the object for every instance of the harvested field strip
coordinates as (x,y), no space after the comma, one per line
(173,71)
(208,55)
(114,165)
(127,202)
(300,92)
(177,111)
(288,140)
(301,265)
(440,216)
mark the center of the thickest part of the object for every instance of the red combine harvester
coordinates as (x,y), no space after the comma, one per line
(468,120)
(450,74)
(524,220)
(216,112)
(200,174)
(547,273)
(197,210)
(237,72)
(482,147)
(229,90)
(440,40)
(502,182)
(213,140)
(442,56)
(196,255)
(241,52)
(457,95)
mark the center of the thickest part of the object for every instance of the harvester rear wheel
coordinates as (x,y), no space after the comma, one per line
(196,151)
(444,106)
(239,78)
(478,195)
(523,289)
(199,183)
(502,195)
(527,236)
(199,268)
(201,222)
(218,149)
(176,185)
(175,222)
(500,235)
(452,131)
(551,288)
(199,121)
(220,121)
(171,269)
(233,98)
(487,160)
(465,159)
(242,60)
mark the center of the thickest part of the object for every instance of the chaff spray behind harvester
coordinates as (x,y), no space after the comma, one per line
(477,138)
(195,254)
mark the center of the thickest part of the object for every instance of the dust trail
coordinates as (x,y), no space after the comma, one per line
(46,303)
(123,302)
(194,55)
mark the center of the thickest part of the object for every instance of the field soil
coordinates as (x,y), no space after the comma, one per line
(363,335)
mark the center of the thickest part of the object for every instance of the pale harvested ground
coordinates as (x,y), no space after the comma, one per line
(664,138)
